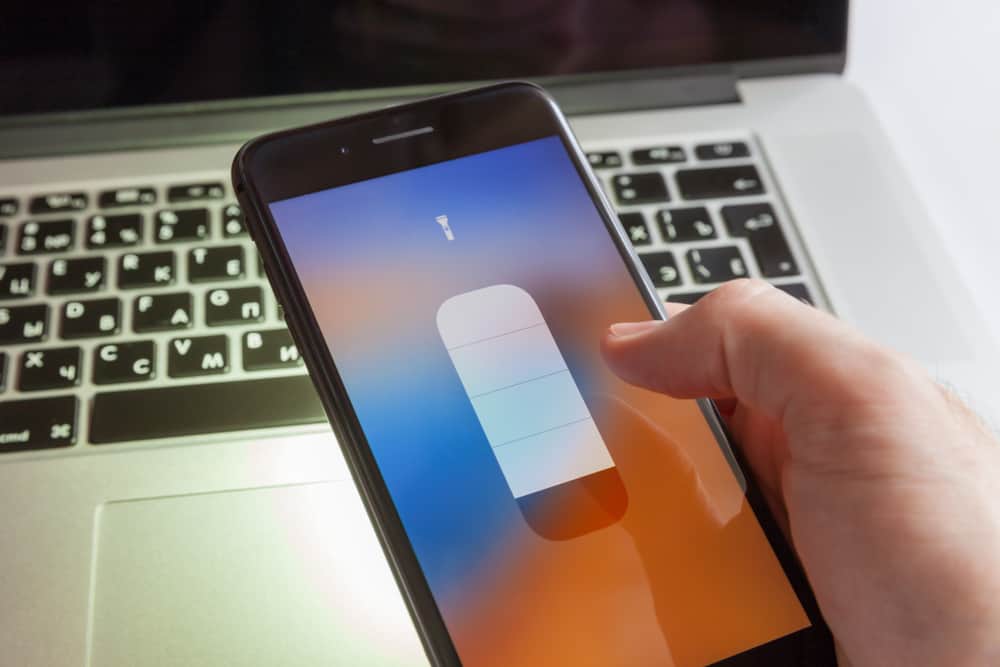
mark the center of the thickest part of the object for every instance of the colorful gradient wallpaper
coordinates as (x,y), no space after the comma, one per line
(674,568)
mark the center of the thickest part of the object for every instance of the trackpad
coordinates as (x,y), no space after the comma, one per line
(280,576)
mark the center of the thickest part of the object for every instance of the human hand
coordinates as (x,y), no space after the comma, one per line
(887,486)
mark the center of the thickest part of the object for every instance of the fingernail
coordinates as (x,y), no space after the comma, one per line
(632,328)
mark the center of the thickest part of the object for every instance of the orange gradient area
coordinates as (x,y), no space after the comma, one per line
(685,575)
(679,575)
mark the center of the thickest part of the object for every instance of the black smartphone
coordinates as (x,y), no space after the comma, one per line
(448,269)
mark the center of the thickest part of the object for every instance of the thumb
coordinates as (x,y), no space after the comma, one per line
(750,341)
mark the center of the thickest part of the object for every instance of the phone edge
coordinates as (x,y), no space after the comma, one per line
(382,511)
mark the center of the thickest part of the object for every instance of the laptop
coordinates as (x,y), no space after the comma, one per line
(171,492)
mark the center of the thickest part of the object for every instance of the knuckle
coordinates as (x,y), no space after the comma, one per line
(735,302)
(739,290)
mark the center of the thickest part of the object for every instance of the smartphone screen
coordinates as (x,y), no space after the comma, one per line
(559,515)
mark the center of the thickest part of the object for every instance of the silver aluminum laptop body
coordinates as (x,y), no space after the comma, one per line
(251,546)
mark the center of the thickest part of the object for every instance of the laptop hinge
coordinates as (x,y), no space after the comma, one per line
(237,121)
(625,94)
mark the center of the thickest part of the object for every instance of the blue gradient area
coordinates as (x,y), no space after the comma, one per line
(376,267)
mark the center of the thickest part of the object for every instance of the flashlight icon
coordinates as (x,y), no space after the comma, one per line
(443,221)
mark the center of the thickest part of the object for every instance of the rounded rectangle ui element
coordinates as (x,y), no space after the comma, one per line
(539,428)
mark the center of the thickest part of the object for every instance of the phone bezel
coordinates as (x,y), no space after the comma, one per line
(304,160)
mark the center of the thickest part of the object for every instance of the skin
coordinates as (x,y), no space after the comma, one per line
(887,486)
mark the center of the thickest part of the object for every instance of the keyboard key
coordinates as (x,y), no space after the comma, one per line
(234,305)
(685,224)
(56,368)
(662,268)
(126,197)
(716,265)
(3,371)
(719,182)
(37,423)
(17,281)
(58,203)
(196,192)
(44,237)
(643,188)
(124,362)
(689,298)
(659,155)
(96,317)
(23,324)
(722,151)
(71,276)
(144,414)
(212,264)
(114,231)
(799,291)
(149,269)
(759,225)
(635,228)
(3,238)
(162,312)
(269,349)
(604,159)
(190,224)
(232,221)
(205,355)
(9,207)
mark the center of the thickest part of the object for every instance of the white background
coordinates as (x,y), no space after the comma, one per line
(931,69)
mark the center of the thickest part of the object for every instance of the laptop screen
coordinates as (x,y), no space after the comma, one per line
(108,54)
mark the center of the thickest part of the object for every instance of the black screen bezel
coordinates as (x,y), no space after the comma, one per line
(318,157)
(813,39)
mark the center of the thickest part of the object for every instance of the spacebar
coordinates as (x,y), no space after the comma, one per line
(143,414)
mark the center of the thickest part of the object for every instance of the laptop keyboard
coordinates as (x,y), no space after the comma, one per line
(700,213)
(138,312)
